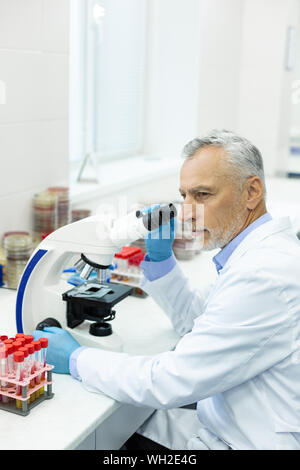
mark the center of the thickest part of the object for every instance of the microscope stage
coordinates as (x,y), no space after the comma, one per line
(93,301)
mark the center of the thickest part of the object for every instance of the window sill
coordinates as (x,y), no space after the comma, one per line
(121,174)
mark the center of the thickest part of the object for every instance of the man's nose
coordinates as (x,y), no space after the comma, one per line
(187,211)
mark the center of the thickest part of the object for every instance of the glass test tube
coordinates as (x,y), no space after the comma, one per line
(37,357)
(19,371)
(44,346)
(10,359)
(9,342)
(26,364)
(3,370)
(30,349)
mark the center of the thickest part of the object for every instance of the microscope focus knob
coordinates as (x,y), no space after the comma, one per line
(48,322)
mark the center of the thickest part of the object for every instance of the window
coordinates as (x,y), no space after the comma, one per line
(107,54)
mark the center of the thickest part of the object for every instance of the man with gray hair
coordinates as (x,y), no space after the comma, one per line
(233,161)
(238,355)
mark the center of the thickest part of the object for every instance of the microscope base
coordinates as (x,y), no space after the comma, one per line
(81,333)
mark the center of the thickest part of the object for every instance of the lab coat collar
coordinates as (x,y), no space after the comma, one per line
(221,258)
(260,233)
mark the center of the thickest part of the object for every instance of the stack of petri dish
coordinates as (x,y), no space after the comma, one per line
(18,249)
(63,204)
(79,214)
(44,215)
(2,262)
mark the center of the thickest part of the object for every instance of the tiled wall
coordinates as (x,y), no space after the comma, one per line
(34,43)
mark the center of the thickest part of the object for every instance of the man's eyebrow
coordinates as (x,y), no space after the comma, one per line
(196,189)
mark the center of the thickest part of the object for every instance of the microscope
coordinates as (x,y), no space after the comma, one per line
(45,299)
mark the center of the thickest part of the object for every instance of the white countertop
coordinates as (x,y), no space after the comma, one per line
(64,421)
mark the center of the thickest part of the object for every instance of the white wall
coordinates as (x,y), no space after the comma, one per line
(220,64)
(172,70)
(243,83)
(34,37)
(193,70)
(264,102)
(219,75)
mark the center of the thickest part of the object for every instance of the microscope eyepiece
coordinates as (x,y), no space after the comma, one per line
(158,217)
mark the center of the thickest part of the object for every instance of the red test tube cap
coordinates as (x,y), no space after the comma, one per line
(3,337)
(18,356)
(8,341)
(30,348)
(10,348)
(28,339)
(37,345)
(24,350)
(20,335)
(44,342)
(17,344)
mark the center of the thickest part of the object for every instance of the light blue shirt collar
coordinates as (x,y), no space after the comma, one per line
(221,258)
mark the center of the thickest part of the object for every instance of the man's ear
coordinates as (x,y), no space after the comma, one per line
(255,192)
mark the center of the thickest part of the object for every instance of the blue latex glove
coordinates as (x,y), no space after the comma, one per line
(60,347)
(159,242)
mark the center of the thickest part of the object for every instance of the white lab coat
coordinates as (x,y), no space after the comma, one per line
(238,356)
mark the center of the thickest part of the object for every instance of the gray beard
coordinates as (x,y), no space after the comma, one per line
(219,239)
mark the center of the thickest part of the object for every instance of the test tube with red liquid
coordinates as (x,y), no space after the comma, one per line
(3,369)
(26,364)
(31,357)
(19,371)
(38,365)
(10,359)
(44,346)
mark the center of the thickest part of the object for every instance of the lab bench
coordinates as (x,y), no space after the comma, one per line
(76,418)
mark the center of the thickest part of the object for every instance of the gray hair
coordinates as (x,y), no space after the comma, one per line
(244,158)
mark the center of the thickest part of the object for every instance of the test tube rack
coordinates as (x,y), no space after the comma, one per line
(131,256)
(119,277)
(27,391)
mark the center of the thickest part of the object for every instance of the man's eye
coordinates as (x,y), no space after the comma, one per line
(201,194)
